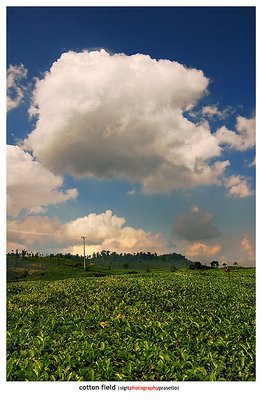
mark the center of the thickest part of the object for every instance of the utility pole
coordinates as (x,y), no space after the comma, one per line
(84,242)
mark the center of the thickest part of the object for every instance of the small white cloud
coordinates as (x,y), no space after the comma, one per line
(131,192)
(244,139)
(30,186)
(238,186)
(15,89)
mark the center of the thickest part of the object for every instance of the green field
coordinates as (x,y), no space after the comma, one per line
(160,326)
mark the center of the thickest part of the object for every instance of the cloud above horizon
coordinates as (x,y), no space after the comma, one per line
(103,231)
(195,225)
(248,248)
(118,116)
(30,186)
(107,116)
(202,250)
(107,231)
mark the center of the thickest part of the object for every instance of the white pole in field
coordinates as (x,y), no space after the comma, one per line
(84,241)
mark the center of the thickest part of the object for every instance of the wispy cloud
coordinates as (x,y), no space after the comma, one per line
(15,88)
(212,111)
(253,163)
(131,192)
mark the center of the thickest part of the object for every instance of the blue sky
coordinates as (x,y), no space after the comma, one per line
(171,158)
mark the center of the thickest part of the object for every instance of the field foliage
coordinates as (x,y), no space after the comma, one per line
(181,326)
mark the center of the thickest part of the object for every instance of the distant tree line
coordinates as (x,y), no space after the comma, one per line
(149,259)
(213,264)
(124,260)
(108,258)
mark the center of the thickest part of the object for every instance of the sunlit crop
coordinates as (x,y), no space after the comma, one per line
(160,327)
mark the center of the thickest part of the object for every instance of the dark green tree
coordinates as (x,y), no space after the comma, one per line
(214,264)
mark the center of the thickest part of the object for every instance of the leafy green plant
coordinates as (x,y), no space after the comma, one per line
(191,326)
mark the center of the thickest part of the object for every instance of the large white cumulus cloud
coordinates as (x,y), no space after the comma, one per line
(98,227)
(30,186)
(107,116)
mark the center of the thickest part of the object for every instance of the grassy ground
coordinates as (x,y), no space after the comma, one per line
(45,268)
(49,269)
(52,269)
